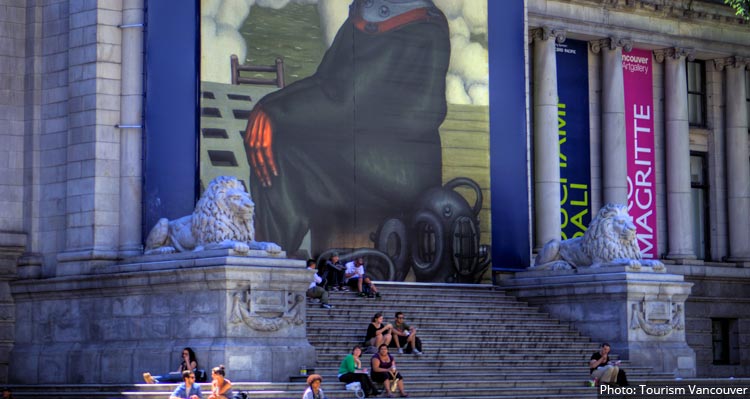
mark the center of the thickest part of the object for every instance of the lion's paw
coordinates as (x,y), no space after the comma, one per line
(554,265)
(160,251)
(241,247)
(655,264)
(634,265)
(272,248)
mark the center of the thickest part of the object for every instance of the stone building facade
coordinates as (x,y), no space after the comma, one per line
(702,166)
(70,165)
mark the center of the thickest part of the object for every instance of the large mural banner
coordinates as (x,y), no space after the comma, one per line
(637,69)
(359,128)
(573,130)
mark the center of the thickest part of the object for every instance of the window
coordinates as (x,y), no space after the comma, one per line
(699,194)
(725,341)
(696,86)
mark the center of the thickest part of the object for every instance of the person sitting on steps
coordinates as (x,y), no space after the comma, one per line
(405,336)
(355,277)
(601,369)
(351,370)
(189,363)
(384,372)
(377,332)
(333,273)
(315,290)
(221,388)
(314,391)
(188,389)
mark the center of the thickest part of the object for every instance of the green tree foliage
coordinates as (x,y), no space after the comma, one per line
(742,7)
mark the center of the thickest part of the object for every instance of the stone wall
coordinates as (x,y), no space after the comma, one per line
(718,292)
(247,313)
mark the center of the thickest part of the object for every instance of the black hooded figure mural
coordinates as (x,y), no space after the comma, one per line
(356,142)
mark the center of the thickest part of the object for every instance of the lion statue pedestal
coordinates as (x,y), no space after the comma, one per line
(600,284)
(244,311)
(204,283)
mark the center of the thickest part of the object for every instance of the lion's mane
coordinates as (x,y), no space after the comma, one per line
(216,219)
(602,243)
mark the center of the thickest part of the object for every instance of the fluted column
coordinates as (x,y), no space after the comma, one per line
(614,144)
(738,167)
(677,135)
(546,140)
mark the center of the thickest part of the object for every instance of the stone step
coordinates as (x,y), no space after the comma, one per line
(443,393)
(432,343)
(504,341)
(457,388)
(414,300)
(501,372)
(332,383)
(463,356)
(445,365)
(362,319)
(423,314)
(420,308)
(514,324)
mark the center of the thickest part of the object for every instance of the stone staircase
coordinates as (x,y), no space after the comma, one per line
(478,341)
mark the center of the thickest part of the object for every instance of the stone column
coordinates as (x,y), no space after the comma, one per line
(546,140)
(92,156)
(614,145)
(677,143)
(130,126)
(738,168)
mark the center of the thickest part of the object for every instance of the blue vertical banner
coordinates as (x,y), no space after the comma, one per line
(511,236)
(171,122)
(573,130)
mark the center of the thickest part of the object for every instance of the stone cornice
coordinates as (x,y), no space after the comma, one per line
(673,52)
(734,61)
(610,43)
(545,32)
(677,9)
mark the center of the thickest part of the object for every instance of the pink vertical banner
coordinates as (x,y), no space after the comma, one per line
(639,121)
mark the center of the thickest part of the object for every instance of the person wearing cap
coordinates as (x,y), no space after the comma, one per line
(314,391)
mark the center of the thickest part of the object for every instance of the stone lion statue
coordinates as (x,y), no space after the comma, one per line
(223,218)
(609,241)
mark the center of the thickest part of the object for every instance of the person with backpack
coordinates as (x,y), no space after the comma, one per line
(405,336)
(355,277)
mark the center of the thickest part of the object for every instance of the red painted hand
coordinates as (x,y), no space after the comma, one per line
(259,139)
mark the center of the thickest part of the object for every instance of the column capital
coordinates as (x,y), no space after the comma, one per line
(674,53)
(545,32)
(610,43)
(733,61)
